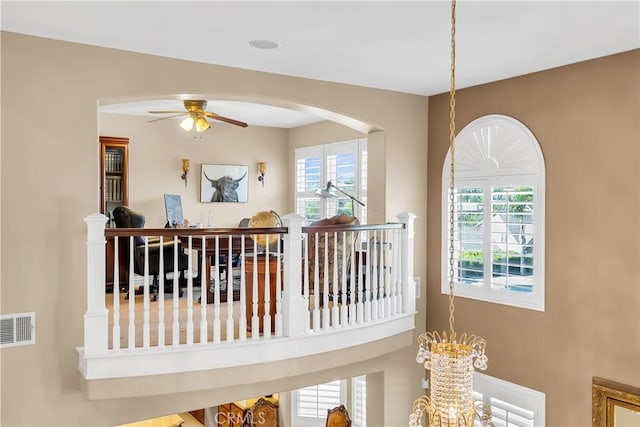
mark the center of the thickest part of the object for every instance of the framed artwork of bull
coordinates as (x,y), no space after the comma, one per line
(224,183)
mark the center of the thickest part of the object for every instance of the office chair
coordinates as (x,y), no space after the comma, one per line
(125,217)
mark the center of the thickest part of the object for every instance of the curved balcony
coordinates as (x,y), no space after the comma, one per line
(312,290)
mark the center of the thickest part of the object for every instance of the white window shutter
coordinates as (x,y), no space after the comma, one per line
(512,405)
(359,404)
(312,403)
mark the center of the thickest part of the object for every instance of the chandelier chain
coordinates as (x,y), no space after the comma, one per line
(451,359)
(452,136)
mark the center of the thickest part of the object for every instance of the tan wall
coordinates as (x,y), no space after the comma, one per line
(155,153)
(585,117)
(50,183)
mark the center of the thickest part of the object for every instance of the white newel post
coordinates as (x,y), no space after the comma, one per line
(293,305)
(96,320)
(408,280)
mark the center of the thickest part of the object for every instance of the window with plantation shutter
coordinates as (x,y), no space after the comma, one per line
(498,223)
(511,405)
(309,178)
(342,163)
(359,401)
(312,403)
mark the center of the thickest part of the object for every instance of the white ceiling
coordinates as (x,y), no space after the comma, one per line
(399,46)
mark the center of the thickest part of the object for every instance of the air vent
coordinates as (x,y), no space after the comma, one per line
(17,329)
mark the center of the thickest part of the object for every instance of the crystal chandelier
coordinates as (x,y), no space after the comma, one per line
(451,358)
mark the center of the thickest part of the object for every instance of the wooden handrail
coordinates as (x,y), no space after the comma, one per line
(170,232)
(242,231)
(342,227)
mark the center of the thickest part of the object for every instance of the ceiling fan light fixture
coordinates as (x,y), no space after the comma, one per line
(187,124)
(202,124)
(197,115)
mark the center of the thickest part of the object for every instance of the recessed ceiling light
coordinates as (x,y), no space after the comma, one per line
(264,44)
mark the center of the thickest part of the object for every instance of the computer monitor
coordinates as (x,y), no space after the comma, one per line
(173,209)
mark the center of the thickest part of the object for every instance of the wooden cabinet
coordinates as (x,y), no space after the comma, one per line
(114,191)
(114,173)
(261,268)
(230,415)
(198,414)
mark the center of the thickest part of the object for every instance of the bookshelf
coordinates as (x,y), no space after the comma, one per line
(114,192)
(114,171)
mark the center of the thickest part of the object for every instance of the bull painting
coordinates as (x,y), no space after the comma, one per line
(223,183)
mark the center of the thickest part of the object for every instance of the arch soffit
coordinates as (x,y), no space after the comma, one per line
(336,117)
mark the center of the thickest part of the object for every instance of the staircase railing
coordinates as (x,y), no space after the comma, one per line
(309,280)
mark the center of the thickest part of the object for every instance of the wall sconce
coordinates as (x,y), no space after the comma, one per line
(262,169)
(185,170)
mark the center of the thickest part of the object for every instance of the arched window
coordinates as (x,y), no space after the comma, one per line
(499,214)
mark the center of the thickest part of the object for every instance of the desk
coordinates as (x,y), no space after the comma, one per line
(210,251)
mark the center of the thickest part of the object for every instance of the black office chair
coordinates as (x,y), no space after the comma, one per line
(128,218)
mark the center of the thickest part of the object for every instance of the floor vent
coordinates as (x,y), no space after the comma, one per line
(17,329)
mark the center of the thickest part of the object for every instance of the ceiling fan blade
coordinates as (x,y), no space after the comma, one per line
(225,119)
(167,112)
(168,117)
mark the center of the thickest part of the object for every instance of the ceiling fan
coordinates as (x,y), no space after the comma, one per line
(195,110)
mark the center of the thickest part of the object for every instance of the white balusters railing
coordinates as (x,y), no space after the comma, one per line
(311,280)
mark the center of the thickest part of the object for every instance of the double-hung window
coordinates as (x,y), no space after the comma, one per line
(498,224)
(344,164)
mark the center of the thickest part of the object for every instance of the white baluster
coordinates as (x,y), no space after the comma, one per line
(131,343)
(266,322)
(392,272)
(161,295)
(316,285)
(377,275)
(204,290)
(408,288)
(96,318)
(278,320)
(190,295)
(242,321)
(116,295)
(343,290)
(216,293)
(353,280)
(230,323)
(335,291)
(325,286)
(360,285)
(255,321)
(175,330)
(146,331)
(307,327)
(386,271)
(367,283)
